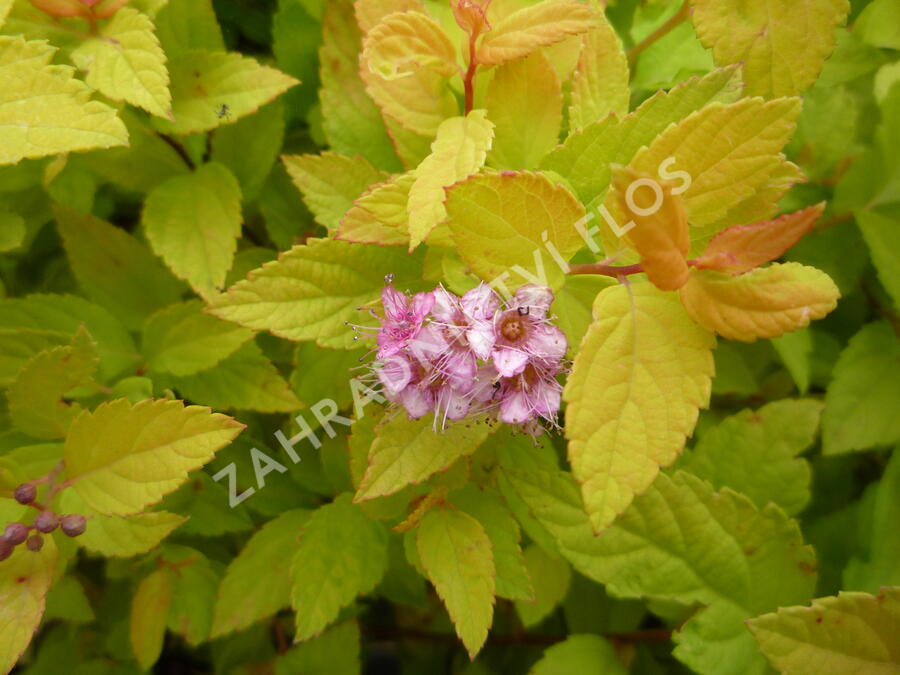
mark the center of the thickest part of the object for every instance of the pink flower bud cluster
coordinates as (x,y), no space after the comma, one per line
(467,356)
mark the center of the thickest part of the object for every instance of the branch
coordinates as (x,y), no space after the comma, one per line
(177,147)
(678,18)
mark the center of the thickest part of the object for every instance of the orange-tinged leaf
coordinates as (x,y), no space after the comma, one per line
(765,303)
(660,232)
(741,248)
(539,25)
(471,15)
(379,216)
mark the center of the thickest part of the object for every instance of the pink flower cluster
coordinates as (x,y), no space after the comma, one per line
(471,355)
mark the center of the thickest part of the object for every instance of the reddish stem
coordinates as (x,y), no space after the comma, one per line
(469,79)
(606,270)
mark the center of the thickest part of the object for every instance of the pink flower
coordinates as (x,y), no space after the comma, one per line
(531,394)
(403,318)
(523,334)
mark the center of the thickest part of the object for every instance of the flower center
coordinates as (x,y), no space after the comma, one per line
(513,329)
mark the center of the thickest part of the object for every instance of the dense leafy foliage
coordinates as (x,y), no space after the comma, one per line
(224,222)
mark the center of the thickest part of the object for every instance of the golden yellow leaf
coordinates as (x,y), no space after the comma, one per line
(764,303)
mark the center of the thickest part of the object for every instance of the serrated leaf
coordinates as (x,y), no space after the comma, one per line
(67,601)
(350,119)
(728,151)
(636,387)
(66,314)
(756,453)
(551,577)
(379,216)
(60,118)
(126,63)
(586,156)
(457,558)
(459,150)
(330,183)
(403,42)
(250,146)
(12,230)
(583,654)
(149,610)
(406,452)
(98,252)
(764,303)
(193,223)
(245,380)
(203,82)
(184,25)
(513,580)
(121,458)
(341,554)
(17,345)
(861,401)
(419,100)
(5,6)
(311,291)
(37,404)
(117,536)
(193,593)
(600,81)
(853,632)
(524,101)
(241,604)
(660,231)
(25,579)
(741,248)
(759,35)
(502,223)
(182,340)
(523,31)
(738,561)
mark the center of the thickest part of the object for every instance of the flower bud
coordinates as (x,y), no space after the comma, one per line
(6,549)
(25,493)
(46,522)
(35,543)
(15,533)
(73,524)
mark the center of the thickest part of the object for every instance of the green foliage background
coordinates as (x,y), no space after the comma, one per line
(787,491)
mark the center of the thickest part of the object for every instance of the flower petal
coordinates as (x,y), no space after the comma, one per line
(509,362)
(480,303)
(546,342)
(536,298)
(481,338)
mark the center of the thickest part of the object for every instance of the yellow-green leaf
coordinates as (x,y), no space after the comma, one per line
(12,230)
(643,372)
(5,6)
(98,252)
(121,458)
(214,88)
(764,303)
(239,605)
(522,32)
(37,404)
(600,82)
(510,224)
(330,182)
(193,222)
(311,291)
(551,577)
(782,43)
(182,339)
(379,216)
(730,152)
(456,555)
(458,151)
(406,452)
(149,611)
(341,554)
(850,633)
(125,62)
(524,101)
(118,536)
(25,579)
(403,42)
(60,115)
